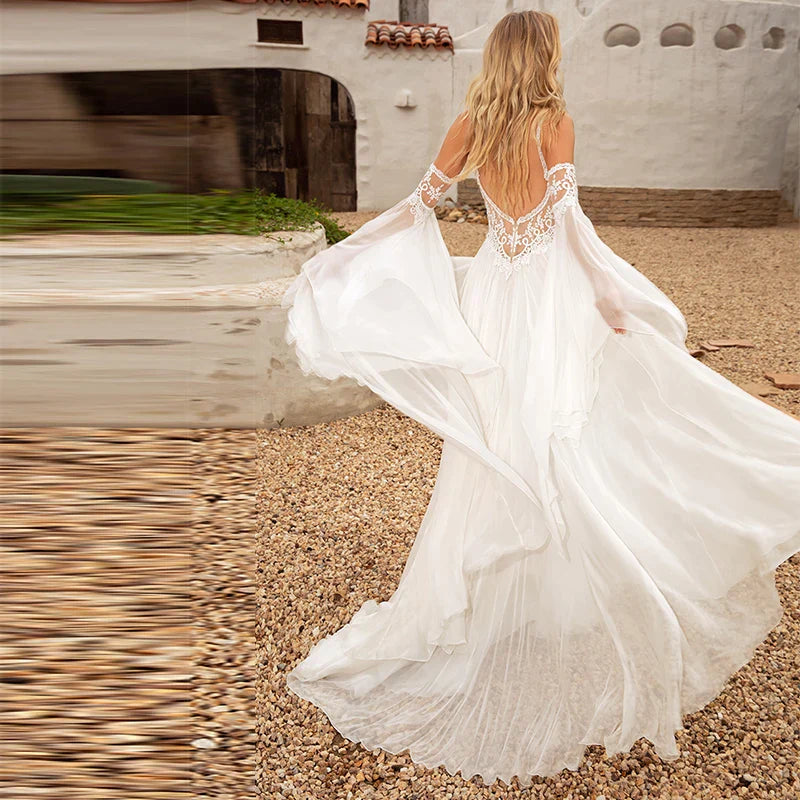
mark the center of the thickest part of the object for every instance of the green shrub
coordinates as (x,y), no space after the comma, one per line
(249,212)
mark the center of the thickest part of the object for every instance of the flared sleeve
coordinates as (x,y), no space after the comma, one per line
(381,307)
(389,291)
(622,295)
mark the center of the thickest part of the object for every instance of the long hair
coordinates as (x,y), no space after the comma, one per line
(517,88)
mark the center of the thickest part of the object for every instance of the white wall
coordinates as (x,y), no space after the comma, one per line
(648,116)
(671,117)
(683,117)
(790,179)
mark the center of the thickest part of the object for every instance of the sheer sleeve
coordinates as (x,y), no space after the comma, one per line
(622,295)
(563,191)
(436,180)
(428,192)
(563,186)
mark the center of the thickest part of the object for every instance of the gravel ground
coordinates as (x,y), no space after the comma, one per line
(339,505)
(128,614)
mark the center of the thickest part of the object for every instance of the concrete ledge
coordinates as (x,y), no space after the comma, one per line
(235,295)
(151,331)
(47,263)
(82,245)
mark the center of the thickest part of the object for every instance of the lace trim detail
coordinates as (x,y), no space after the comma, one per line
(439,174)
(427,190)
(565,187)
(515,240)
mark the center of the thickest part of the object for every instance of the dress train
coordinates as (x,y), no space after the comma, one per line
(598,554)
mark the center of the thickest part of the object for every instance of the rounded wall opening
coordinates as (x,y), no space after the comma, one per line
(729,37)
(677,35)
(774,39)
(622,35)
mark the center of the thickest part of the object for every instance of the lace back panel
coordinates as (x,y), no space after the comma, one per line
(515,240)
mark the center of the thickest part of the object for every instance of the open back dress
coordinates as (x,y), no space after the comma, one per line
(598,554)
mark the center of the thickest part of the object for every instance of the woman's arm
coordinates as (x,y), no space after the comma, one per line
(563,187)
(562,149)
(448,162)
(453,153)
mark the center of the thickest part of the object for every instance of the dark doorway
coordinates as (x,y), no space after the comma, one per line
(305,137)
(285,131)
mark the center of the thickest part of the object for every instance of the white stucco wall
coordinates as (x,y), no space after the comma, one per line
(684,117)
(669,117)
(790,179)
(647,116)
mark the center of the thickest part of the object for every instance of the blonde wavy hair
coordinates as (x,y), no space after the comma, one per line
(518,86)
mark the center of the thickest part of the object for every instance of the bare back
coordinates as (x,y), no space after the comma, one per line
(451,160)
(530,196)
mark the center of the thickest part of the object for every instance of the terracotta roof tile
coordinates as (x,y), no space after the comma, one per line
(407,34)
(339,3)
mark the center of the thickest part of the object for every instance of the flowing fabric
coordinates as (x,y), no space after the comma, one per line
(598,554)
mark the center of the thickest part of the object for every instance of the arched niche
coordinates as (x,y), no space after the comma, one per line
(622,36)
(677,35)
(774,39)
(729,37)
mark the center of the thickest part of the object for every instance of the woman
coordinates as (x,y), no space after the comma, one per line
(599,550)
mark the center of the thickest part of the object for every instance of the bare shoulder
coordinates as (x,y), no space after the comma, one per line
(452,155)
(562,148)
(565,128)
(459,130)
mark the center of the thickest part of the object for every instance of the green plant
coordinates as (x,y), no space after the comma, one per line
(248,212)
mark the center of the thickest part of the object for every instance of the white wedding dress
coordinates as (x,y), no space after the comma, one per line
(599,550)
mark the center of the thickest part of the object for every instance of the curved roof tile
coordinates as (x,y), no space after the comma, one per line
(407,34)
(338,3)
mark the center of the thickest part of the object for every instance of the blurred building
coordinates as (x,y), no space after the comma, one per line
(686,110)
(285,131)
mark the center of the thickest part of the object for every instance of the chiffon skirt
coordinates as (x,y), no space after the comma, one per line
(605,582)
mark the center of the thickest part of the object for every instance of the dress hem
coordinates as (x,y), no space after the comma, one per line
(771,559)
